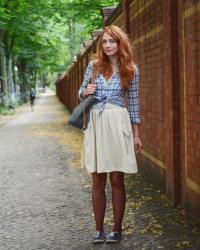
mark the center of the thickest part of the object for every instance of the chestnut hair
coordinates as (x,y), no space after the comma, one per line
(126,64)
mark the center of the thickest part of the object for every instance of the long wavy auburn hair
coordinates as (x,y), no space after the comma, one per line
(125,56)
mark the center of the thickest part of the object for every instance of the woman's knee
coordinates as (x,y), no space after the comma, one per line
(99,182)
(117,180)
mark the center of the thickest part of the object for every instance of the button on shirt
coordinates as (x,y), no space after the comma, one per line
(110,91)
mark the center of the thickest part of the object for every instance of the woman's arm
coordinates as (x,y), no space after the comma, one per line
(86,81)
(136,136)
(134,110)
(133,98)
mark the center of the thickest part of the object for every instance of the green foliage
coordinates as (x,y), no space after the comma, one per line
(90,11)
(86,13)
(44,36)
(6,111)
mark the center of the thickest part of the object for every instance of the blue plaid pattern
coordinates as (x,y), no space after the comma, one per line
(111,92)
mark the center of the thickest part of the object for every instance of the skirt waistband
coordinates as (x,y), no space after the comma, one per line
(107,106)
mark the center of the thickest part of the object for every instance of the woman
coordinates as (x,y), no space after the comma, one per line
(112,137)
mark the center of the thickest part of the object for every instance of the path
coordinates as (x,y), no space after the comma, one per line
(46,198)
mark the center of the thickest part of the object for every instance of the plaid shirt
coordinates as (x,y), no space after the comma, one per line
(111,92)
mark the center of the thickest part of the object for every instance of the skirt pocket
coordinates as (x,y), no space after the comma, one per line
(128,133)
(127,138)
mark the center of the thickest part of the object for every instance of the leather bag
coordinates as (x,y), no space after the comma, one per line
(81,113)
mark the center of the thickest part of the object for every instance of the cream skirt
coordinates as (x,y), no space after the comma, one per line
(108,141)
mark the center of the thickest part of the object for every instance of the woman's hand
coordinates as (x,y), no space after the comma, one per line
(89,90)
(138,144)
(137,141)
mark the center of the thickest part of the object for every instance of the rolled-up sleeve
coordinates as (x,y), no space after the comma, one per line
(86,80)
(133,99)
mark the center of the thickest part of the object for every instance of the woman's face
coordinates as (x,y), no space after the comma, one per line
(110,47)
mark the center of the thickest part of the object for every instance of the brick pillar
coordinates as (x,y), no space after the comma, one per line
(106,12)
(95,34)
(173,175)
(87,44)
(126,13)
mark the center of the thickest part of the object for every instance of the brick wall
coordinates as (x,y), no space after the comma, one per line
(189,50)
(149,39)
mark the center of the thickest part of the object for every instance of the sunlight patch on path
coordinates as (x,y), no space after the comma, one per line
(58,128)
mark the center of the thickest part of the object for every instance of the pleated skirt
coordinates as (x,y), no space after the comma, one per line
(108,141)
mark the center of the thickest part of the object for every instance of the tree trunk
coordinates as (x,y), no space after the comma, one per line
(71,25)
(3,72)
(14,73)
(9,43)
(10,79)
(34,77)
(22,79)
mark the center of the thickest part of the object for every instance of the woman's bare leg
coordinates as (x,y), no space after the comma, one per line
(118,199)
(99,198)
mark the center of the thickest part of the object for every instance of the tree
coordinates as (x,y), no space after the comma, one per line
(41,37)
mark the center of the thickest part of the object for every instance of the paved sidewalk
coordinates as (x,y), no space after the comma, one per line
(46,198)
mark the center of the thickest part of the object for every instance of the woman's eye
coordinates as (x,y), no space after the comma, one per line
(109,41)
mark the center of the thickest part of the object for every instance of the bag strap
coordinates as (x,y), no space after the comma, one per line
(84,118)
(92,82)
